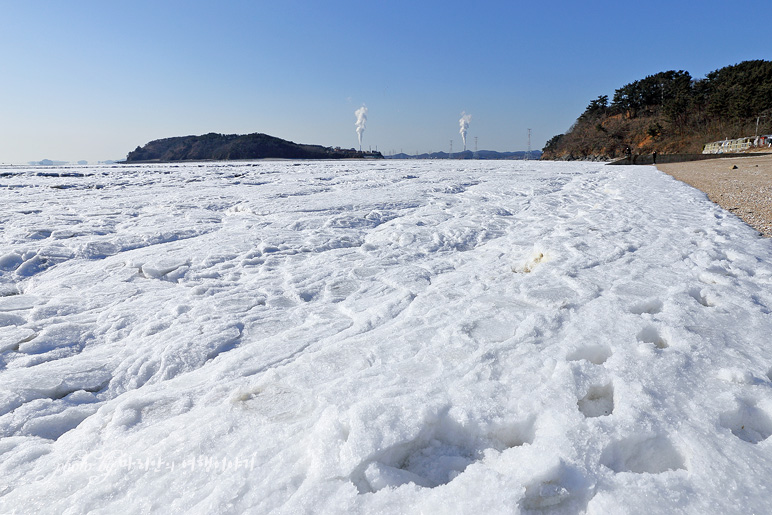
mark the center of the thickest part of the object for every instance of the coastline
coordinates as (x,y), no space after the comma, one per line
(741,185)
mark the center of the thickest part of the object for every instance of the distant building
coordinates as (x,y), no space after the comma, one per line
(728,146)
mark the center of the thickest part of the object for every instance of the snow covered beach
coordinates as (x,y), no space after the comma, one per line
(742,186)
(370,337)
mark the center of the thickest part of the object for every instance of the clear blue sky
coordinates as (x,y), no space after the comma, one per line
(94,79)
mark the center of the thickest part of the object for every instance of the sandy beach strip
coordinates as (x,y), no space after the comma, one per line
(742,185)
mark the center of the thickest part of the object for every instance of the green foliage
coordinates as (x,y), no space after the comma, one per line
(597,108)
(738,91)
(665,89)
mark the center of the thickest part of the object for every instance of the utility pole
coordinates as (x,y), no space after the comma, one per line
(757,123)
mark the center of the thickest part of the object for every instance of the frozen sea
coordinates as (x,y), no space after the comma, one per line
(380,337)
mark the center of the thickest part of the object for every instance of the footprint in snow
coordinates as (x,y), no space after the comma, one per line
(599,401)
(748,422)
(643,454)
(651,307)
(595,354)
(650,334)
(561,489)
(439,454)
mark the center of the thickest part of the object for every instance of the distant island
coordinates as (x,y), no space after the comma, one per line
(468,154)
(224,147)
(48,162)
(51,162)
(670,112)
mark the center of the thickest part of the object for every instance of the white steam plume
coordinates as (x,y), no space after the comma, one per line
(361,123)
(464,124)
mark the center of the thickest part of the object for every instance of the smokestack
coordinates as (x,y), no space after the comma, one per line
(464,126)
(361,123)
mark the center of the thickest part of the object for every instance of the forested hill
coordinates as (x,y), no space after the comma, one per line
(671,112)
(234,146)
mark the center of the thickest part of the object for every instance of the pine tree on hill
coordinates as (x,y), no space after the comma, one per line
(670,112)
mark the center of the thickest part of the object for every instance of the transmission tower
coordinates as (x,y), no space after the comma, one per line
(528,152)
(476,155)
(450,156)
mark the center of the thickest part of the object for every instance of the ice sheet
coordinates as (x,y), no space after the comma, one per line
(412,337)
